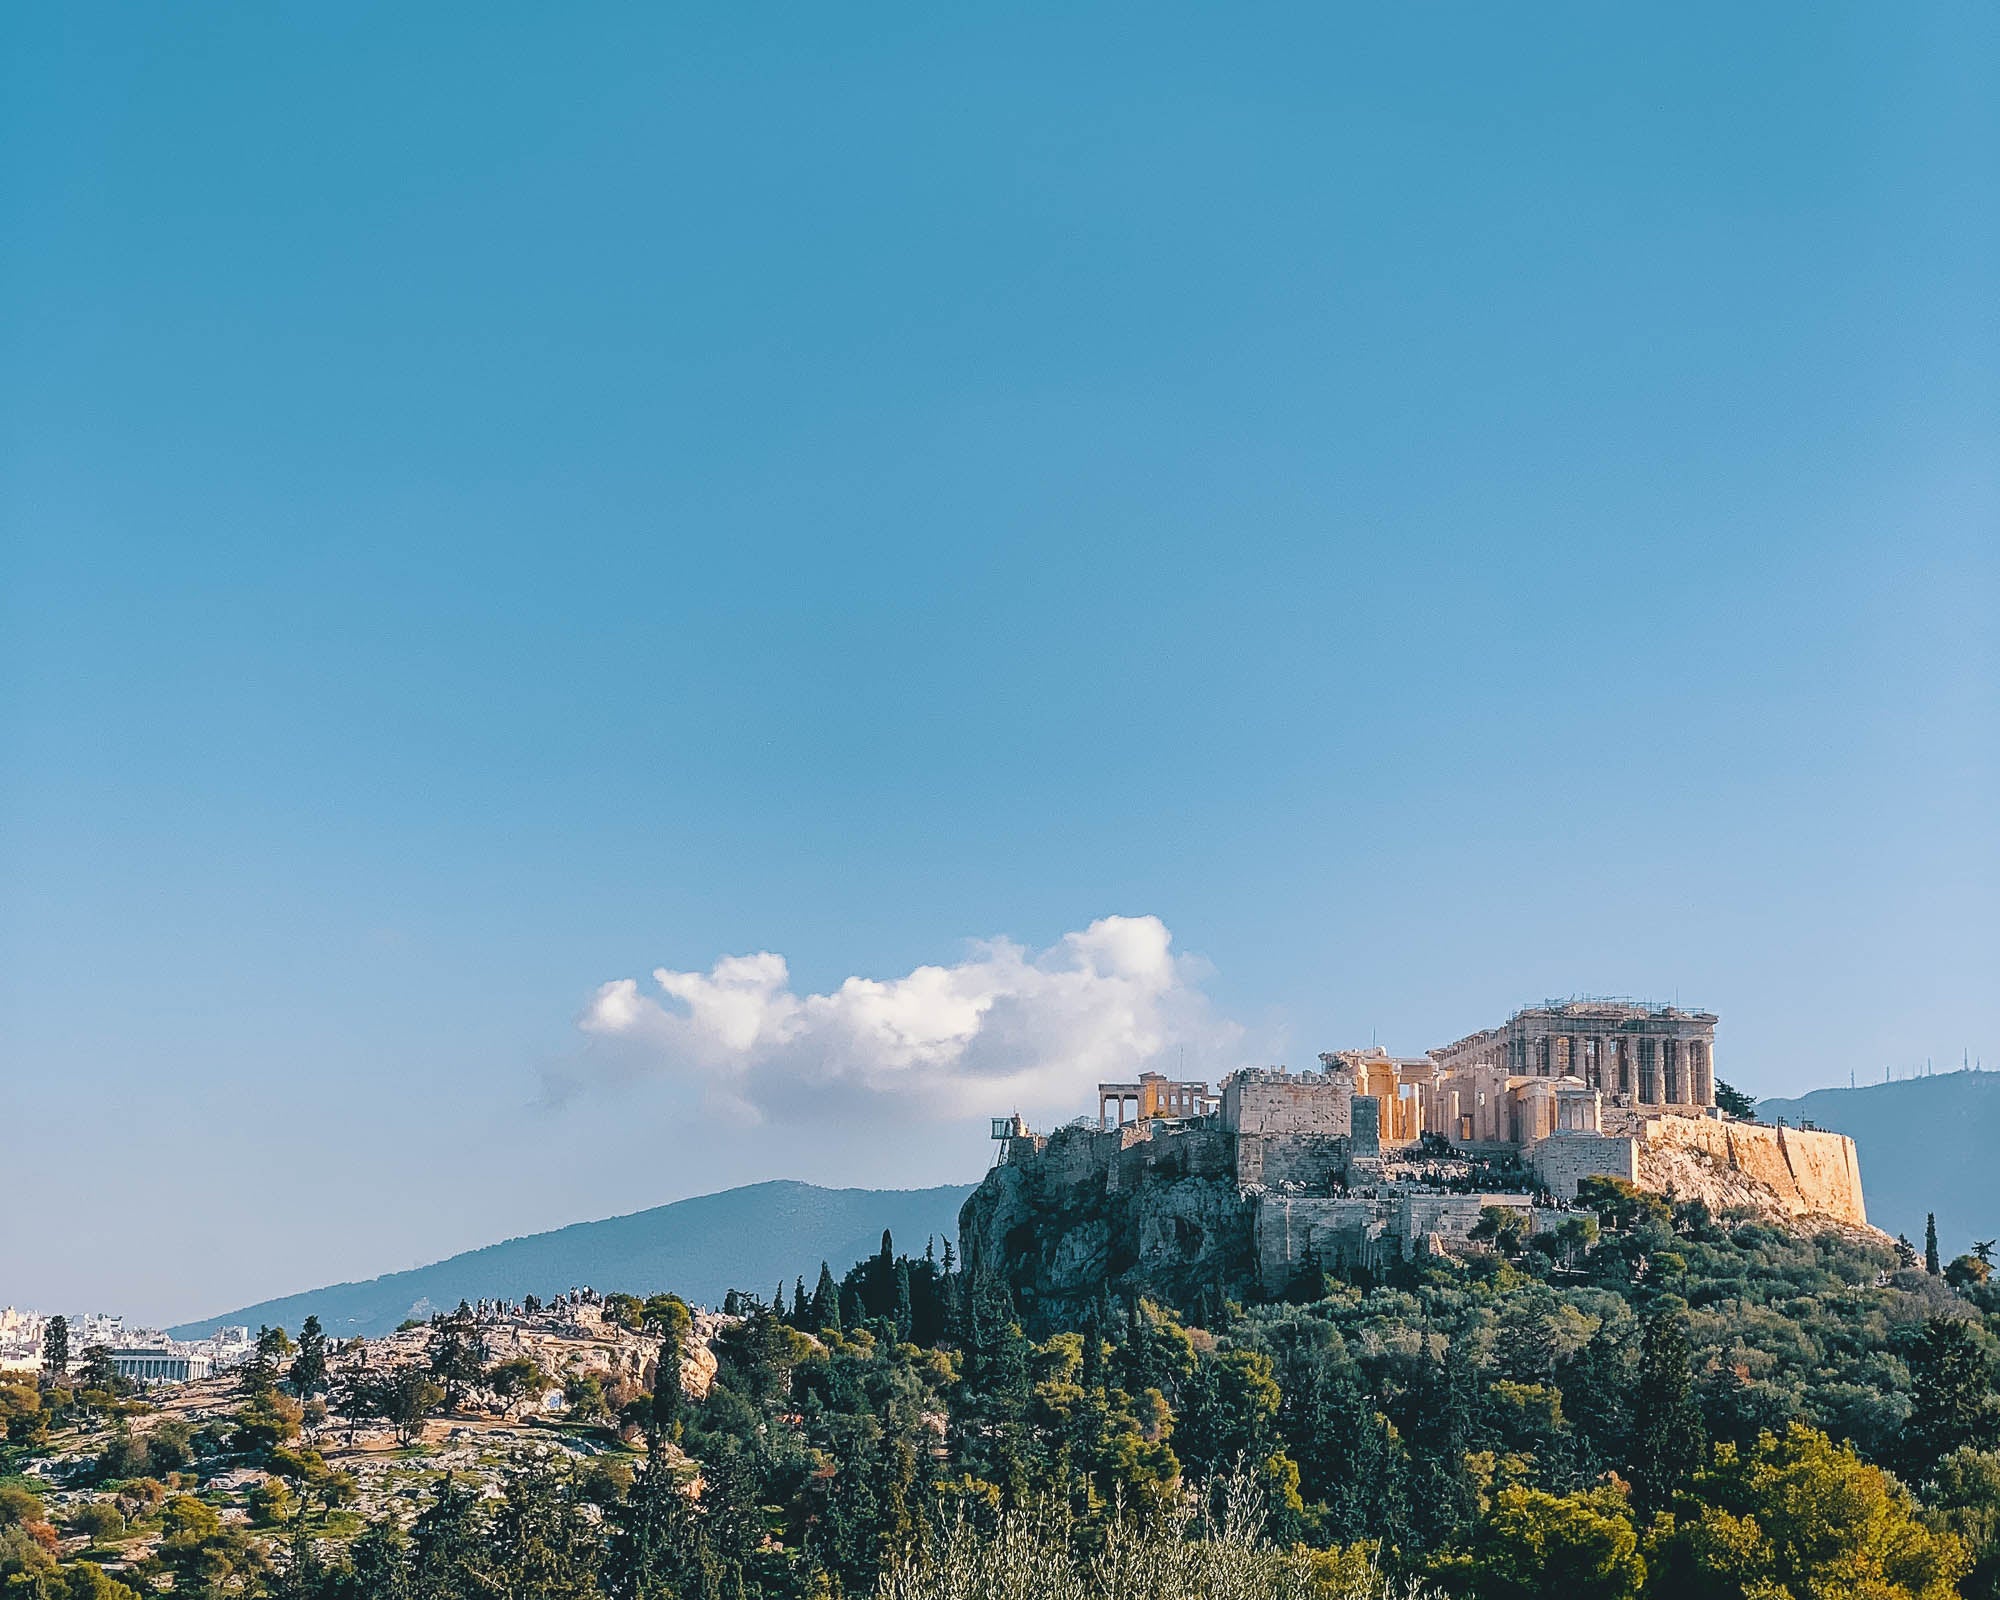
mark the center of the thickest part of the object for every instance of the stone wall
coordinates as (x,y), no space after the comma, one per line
(1288,1129)
(1290,1158)
(1201,1151)
(1797,1171)
(1371,1232)
(1827,1170)
(1564,1158)
(1318,1103)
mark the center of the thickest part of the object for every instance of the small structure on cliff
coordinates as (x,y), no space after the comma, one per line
(1378,1158)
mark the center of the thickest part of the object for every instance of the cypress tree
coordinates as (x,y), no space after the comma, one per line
(906,1310)
(55,1347)
(1930,1243)
(801,1307)
(878,1293)
(826,1302)
(1669,1441)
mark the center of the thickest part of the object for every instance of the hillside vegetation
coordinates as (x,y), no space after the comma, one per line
(1654,1402)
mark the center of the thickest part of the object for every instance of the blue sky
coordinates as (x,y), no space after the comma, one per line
(1439,506)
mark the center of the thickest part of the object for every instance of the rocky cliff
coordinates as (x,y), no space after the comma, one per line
(1093,1213)
(1782,1172)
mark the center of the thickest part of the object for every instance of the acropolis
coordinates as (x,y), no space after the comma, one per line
(1374,1157)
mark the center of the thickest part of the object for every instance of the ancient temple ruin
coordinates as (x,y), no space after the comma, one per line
(1376,1157)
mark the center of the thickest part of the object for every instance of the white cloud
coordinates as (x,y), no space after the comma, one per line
(1005,1028)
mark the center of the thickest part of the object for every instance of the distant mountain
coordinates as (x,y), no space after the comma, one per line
(1926,1144)
(700,1249)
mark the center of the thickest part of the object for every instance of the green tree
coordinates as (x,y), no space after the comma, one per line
(55,1347)
(305,1574)
(517,1379)
(878,1285)
(1669,1440)
(204,1558)
(1091,1368)
(544,1546)
(1963,1493)
(587,1400)
(378,1564)
(99,1370)
(450,1555)
(1154,1352)
(1966,1272)
(1443,1498)
(457,1357)
(1930,1243)
(1952,1402)
(1504,1227)
(100,1521)
(658,1550)
(403,1397)
(668,1320)
(904,1310)
(1533,1545)
(265,1421)
(826,1302)
(1799,1516)
(1733,1101)
(271,1503)
(85,1581)
(1231,1413)
(309,1375)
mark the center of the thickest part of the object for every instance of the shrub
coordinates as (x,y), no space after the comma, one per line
(100,1520)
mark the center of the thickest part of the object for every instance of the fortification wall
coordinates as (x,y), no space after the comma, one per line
(1561,1160)
(1318,1104)
(1197,1152)
(1068,1158)
(1828,1171)
(1296,1158)
(1356,1230)
(1800,1171)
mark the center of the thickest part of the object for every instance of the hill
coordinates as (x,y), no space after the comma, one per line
(1926,1144)
(748,1238)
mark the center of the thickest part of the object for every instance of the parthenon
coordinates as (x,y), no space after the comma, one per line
(1647,1057)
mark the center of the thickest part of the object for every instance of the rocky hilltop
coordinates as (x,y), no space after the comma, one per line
(1281,1176)
(1087,1214)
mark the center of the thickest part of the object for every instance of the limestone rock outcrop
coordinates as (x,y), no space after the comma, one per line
(1093,1214)
(1785,1172)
